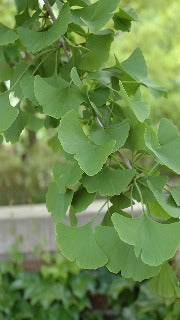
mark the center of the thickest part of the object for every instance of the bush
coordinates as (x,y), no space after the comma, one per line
(60,291)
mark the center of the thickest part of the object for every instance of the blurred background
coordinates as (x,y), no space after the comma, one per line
(157,34)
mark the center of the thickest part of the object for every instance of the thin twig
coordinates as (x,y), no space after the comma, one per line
(61,40)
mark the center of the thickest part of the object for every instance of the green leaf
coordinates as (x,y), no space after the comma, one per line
(5,70)
(168,152)
(118,132)
(14,131)
(7,35)
(56,96)
(97,14)
(121,256)
(165,283)
(165,200)
(138,107)
(8,113)
(87,254)
(109,182)
(89,156)
(66,174)
(120,202)
(35,41)
(27,86)
(75,77)
(123,18)
(98,46)
(57,203)
(154,242)
(82,199)
(134,69)
(175,192)
(157,211)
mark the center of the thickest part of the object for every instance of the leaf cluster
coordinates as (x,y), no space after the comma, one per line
(101,125)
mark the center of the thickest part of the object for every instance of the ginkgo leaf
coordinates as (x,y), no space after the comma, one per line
(5,70)
(98,46)
(165,200)
(123,18)
(96,15)
(168,152)
(14,131)
(35,41)
(75,77)
(134,69)
(118,132)
(82,199)
(121,256)
(138,107)
(78,243)
(57,203)
(66,174)
(56,96)
(89,156)
(27,86)
(154,242)
(165,283)
(7,35)
(8,113)
(109,182)
(175,192)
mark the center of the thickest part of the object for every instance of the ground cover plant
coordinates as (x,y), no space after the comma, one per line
(58,76)
(60,290)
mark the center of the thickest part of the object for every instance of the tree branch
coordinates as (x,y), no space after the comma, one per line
(61,40)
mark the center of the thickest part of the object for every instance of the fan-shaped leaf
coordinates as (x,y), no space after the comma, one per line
(35,41)
(78,243)
(7,113)
(82,199)
(56,96)
(57,203)
(109,181)
(165,283)
(90,156)
(175,191)
(66,174)
(154,242)
(121,256)
(7,35)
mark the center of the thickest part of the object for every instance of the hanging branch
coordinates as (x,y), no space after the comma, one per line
(61,40)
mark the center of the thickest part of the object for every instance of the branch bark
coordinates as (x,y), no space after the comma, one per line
(61,40)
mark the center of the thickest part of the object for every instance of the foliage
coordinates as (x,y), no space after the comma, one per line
(60,290)
(60,74)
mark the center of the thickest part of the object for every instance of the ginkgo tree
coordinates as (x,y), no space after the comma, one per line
(56,59)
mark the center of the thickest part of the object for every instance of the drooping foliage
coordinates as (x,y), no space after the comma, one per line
(56,60)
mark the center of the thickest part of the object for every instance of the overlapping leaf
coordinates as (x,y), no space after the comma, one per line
(96,15)
(57,203)
(175,192)
(165,283)
(134,69)
(56,96)
(27,86)
(66,174)
(35,41)
(7,35)
(154,242)
(98,46)
(165,200)
(8,113)
(5,70)
(90,156)
(109,181)
(118,132)
(14,131)
(121,256)
(167,149)
(82,199)
(123,18)
(78,243)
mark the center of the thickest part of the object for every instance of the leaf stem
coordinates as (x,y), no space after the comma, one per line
(99,211)
(41,62)
(153,169)
(140,194)
(61,40)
